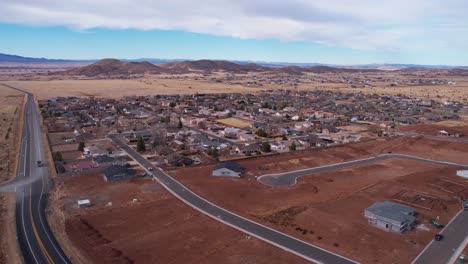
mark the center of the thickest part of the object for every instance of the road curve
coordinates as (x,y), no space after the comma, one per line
(36,241)
(271,236)
(288,179)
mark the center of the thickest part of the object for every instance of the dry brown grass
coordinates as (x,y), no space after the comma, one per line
(197,83)
(234,122)
(119,88)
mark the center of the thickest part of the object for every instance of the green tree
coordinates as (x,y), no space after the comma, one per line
(266,147)
(212,151)
(261,133)
(180,125)
(284,137)
(57,156)
(81,146)
(293,147)
(141,145)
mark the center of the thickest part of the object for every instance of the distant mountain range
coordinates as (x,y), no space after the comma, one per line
(19,59)
(7,58)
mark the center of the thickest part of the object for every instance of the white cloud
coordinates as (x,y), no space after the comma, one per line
(359,24)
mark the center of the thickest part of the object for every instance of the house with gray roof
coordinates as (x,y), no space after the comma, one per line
(390,216)
(118,172)
(227,169)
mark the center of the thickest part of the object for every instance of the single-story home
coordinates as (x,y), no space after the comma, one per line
(118,172)
(227,169)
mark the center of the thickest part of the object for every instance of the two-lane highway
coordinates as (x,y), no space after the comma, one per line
(276,238)
(37,242)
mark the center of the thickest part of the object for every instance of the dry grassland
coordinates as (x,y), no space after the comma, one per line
(119,88)
(234,122)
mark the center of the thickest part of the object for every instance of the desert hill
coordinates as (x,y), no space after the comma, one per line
(212,65)
(115,67)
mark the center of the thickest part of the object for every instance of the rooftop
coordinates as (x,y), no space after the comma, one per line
(392,211)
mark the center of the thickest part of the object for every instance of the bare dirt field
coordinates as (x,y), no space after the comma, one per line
(433,129)
(234,122)
(11,102)
(327,209)
(157,228)
(45,87)
(120,88)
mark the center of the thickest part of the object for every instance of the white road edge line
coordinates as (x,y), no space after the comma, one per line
(39,154)
(432,241)
(236,227)
(22,211)
(458,252)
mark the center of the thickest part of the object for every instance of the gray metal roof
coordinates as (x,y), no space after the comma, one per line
(230,165)
(392,211)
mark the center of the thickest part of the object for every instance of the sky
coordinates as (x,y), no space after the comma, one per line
(307,31)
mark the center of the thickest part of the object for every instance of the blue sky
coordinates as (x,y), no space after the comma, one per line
(336,32)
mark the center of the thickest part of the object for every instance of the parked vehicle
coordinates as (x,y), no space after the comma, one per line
(465,205)
(39,163)
(436,223)
(438,237)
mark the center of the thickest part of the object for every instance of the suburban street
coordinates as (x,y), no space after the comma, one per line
(36,241)
(441,251)
(290,178)
(281,240)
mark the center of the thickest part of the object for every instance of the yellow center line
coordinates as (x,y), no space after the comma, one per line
(36,234)
(41,245)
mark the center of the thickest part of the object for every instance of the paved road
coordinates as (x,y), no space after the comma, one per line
(288,243)
(36,241)
(290,178)
(441,251)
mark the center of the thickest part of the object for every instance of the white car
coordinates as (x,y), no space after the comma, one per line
(150,168)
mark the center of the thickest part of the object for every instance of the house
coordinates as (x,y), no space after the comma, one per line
(258,125)
(462,173)
(227,169)
(84,203)
(451,133)
(177,160)
(231,132)
(118,172)
(249,149)
(197,138)
(390,216)
(103,160)
(93,151)
(277,146)
(76,165)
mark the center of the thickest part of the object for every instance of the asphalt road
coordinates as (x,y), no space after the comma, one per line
(36,241)
(441,251)
(290,178)
(281,240)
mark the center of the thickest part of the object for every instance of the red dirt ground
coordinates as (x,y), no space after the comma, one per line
(156,229)
(327,209)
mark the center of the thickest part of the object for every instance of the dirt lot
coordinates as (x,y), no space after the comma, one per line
(11,102)
(433,129)
(327,209)
(234,122)
(119,88)
(156,229)
(43,87)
